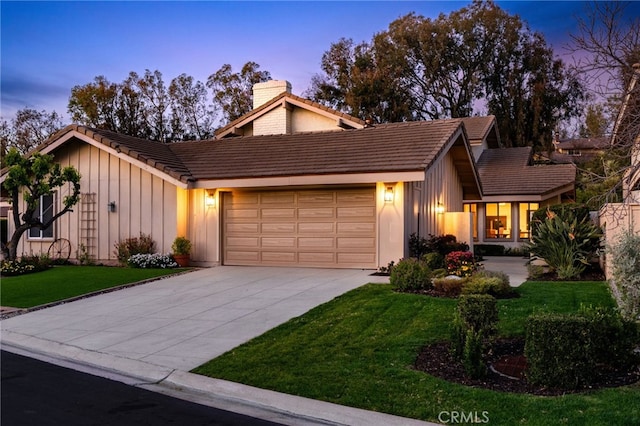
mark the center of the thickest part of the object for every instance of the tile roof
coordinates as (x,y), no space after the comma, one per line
(584,143)
(277,99)
(154,154)
(407,146)
(478,127)
(507,171)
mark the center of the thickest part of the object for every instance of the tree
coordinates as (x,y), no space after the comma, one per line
(94,104)
(232,92)
(36,176)
(608,43)
(448,67)
(156,103)
(361,83)
(191,118)
(28,129)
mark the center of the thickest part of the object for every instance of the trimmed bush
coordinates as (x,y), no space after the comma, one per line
(434,260)
(493,283)
(569,351)
(127,248)
(450,287)
(410,274)
(474,322)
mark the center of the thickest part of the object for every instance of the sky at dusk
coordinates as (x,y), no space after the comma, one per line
(49,47)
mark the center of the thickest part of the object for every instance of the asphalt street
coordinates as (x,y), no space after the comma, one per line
(37,393)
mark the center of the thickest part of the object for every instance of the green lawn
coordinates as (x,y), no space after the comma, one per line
(358,350)
(63,282)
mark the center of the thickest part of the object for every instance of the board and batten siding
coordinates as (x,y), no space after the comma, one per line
(144,204)
(442,184)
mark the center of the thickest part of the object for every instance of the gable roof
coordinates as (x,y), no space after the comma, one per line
(285,98)
(155,155)
(386,147)
(482,128)
(410,147)
(507,171)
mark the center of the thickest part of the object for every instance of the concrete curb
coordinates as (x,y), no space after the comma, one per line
(271,405)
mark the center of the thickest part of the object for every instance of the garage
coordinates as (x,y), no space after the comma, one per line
(333,228)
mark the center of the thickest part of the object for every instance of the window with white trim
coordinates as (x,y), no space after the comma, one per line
(44,212)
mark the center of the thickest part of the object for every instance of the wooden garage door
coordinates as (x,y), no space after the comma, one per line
(319,228)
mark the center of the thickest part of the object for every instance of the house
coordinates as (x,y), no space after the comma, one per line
(617,218)
(294,183)
(578,150)
(326,191)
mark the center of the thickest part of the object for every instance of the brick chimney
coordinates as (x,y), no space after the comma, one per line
(264,92)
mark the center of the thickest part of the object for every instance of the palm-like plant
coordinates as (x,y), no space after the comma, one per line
(566,244)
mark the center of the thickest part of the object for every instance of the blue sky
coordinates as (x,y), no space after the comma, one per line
(49,47)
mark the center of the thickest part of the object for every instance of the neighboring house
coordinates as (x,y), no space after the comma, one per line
(616,218)
(337,195)
(579,150)
(294,183)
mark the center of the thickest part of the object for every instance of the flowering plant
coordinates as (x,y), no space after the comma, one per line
(156,260)
(461,263)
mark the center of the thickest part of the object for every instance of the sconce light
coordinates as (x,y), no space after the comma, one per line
(111,206)
(440,208)
(388,194)
(209,199)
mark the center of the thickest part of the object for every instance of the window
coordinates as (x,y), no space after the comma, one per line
(44,212)
(525,211)
(473,209)
(498,220)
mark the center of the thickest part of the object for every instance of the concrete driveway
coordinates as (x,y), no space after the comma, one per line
(184,321)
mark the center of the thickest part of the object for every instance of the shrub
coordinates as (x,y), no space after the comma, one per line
(569,351)
(566,244)
(556,347)
(493,283)
(474,322)
(127,248)
(489,249)
(181,245)
(461,263)
(535,272)
(450,287)
(156,260)
(625,265)
(25,265)
(410,274)
(443,244)
(434,260)
(566,211)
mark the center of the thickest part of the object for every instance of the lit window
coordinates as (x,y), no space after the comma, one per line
(498,220)
(525,211)
(44,212)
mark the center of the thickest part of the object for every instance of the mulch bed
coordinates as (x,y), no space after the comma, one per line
(506,356)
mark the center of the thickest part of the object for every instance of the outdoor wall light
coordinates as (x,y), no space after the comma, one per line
(209,199)
(440,208)
(111,206)
(388,194)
